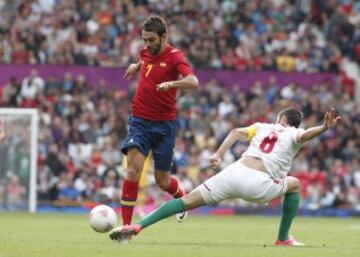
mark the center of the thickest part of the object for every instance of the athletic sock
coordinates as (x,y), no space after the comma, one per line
(128,200)
(165,210)
(174,188)
(289,210)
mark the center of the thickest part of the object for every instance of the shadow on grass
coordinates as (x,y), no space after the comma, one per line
(255,245)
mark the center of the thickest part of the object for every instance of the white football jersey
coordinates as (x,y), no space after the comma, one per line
(276,146)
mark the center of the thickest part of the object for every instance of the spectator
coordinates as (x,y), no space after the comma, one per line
(78,131)
(244,35)
(15,193)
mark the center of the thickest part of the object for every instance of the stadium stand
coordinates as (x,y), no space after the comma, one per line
(82,126)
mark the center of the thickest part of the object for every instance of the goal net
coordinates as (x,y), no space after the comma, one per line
(18,159)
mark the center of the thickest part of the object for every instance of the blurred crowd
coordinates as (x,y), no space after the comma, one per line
(82,128)
(285,35)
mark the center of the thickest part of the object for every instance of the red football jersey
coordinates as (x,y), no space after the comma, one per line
(148,103)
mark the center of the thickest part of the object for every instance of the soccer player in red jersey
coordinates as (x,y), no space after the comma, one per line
(152,125)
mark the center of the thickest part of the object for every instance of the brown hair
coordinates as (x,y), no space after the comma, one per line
(156,24)
(292,115)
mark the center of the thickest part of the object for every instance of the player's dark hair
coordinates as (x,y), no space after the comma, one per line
(156,24)
(292,115)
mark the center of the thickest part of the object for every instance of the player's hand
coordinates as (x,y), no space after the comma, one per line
(215,160)
(163,87)
(331,119)
(131,71)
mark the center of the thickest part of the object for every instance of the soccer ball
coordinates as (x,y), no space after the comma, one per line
(102,218)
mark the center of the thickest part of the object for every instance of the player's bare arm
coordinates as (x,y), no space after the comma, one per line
(241,134)
(189,82)
(330,120)
(132,69)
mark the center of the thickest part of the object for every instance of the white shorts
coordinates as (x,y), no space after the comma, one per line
(240,181)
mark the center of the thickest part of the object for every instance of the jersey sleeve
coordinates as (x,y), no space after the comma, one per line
(294,135)
(251,130)
(182,65)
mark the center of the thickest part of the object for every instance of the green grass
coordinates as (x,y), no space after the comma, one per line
(55,235)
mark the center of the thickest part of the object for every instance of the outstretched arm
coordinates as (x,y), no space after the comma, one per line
(189,82)
(241,134)
(330,120)
(132,69)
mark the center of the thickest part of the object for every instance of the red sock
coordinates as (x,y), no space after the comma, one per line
(128,200)
(174,188)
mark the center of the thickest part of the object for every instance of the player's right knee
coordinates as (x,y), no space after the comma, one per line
(293,184)
(133,175)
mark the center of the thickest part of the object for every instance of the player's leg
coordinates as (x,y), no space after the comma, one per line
(162,146)
(240,181)
(130,186)
(171,185)
(211,191)
(289,209)
(168,183)
(188,202)
(163,143)
(167,209)
(136,148)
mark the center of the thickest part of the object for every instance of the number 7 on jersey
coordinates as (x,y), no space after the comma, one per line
(148,69)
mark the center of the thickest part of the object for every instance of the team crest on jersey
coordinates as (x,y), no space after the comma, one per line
(163,64)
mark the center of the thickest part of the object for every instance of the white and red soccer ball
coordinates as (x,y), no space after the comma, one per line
(102,218)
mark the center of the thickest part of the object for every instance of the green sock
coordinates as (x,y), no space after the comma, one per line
(289,209)
(165,210)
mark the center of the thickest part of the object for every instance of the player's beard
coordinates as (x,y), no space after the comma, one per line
(156,49)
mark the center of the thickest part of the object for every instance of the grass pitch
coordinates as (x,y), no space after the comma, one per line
(62,235)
